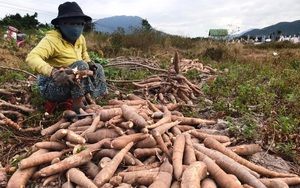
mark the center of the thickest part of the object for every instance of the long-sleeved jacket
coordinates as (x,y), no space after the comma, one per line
(53,51)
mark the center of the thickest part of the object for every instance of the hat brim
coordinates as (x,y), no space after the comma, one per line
(85,17)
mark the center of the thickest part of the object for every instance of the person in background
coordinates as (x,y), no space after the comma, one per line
(11,33)
(62,50)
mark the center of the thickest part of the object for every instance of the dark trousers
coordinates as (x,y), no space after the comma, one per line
(94,85)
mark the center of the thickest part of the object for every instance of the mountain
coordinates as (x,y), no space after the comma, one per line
(240,33)
(111,24)
(281,28)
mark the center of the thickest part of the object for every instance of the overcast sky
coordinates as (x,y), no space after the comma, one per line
(189,18)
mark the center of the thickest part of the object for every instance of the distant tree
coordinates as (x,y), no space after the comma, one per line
(21,23)
(279,32)
(89,26)
(146,25)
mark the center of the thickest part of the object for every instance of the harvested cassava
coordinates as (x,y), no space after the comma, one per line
(218,174)
(164,177)
(231,166)
(51,129)
(111,153)
(212,143)
(3,176)
(145,145)
(177,157)
(130,114)
(208,183)
(141,177)
(71,161)
(189,151)
(122,141)
(101,134)
(202,136)
(50,145)
(90,169)
(142,152)
(107,172)
(244,149)
(193,175)
(40,159)
(79,178)
(21,177)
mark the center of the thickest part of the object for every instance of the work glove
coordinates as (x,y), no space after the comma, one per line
(92,66)
(61,78)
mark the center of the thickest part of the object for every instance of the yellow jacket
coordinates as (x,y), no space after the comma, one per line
(53,51)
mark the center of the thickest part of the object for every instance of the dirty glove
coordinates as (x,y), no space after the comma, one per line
(61,78)
(92,66)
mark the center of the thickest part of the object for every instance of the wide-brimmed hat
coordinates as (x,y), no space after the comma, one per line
(69,9)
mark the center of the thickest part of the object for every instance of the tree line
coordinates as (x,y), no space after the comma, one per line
(28,22)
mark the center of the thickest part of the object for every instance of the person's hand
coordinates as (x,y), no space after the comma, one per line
(92,66)
(61,78)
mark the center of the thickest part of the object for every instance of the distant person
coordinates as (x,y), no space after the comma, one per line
(11,33)
(65,47)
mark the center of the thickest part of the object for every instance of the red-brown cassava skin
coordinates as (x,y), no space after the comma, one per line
(193,175)
(208,183)
(214,144)
(218,174)
(288,180)
(39,159)
(71,161)
(78,177)
(122,141)
(230,166)
(245,149)
(57,146)
(164,177)
(21,177)
(177,157)
(130,115)
(108,171)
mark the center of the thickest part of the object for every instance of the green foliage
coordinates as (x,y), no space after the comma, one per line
(6,135)
(245,128)
(182,42)
(37,100)
(146,25)
(97,59)
(286,124)
(295,64)
(190,112)
(213,53)
(288,150)
(16,160)
(10,77)
(20,22)
(256,90)
(117,40)
(192,74)
(109,72)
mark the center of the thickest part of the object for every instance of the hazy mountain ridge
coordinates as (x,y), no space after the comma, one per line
(129,23)
(281,28)
(112,24)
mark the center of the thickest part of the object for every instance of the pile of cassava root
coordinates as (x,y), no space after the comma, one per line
(135,143)
(172,86)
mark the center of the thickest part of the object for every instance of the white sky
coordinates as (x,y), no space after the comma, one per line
(189,18)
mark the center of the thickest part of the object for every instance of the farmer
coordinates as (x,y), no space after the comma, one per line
(59,53)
